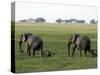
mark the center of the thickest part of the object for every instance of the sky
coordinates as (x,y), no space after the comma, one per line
(52,12)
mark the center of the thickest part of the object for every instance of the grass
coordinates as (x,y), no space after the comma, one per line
(55,39)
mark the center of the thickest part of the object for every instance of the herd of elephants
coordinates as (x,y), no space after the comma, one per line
(76,41)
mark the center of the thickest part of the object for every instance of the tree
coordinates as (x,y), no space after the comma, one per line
(67,21)
(81,21)
(40,20)
(59,20)
(23,20)
(73,21)
(93,21)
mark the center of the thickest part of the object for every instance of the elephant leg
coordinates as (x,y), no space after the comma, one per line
(74,47)
(85,52)
(34,52)
(69,48)
(80,53)
(29,49)
(41,52)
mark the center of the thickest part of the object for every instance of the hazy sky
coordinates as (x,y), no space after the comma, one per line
(51,12)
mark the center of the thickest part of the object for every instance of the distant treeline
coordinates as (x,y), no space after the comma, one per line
(37,20)
(66,21)
(74,21)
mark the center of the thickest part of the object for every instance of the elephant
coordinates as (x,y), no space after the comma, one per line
(23,38)
(47,53)
(79,42)
(33,42)
(94,52)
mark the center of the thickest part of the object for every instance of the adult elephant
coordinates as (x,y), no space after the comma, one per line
(34,43)
(79,42)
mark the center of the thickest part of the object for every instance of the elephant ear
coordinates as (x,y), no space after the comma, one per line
(26,37)
(75,36)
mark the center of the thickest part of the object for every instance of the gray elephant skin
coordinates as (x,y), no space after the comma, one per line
(79,42)
(34,43)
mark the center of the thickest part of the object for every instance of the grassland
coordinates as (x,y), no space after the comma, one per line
(55,39)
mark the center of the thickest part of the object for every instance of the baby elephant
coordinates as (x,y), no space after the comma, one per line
(47,53)
(94,52)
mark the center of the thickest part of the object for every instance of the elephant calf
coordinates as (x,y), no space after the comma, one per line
(47,53)
(94,52)
(79,42)
(33,43)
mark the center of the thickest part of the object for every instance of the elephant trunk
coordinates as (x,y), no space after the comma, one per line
(20,43)
(69,48)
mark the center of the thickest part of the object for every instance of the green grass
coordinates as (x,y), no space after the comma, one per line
(55,39)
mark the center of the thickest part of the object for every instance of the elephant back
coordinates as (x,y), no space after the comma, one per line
(35,41)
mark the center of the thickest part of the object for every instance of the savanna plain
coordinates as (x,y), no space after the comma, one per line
(55,37)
